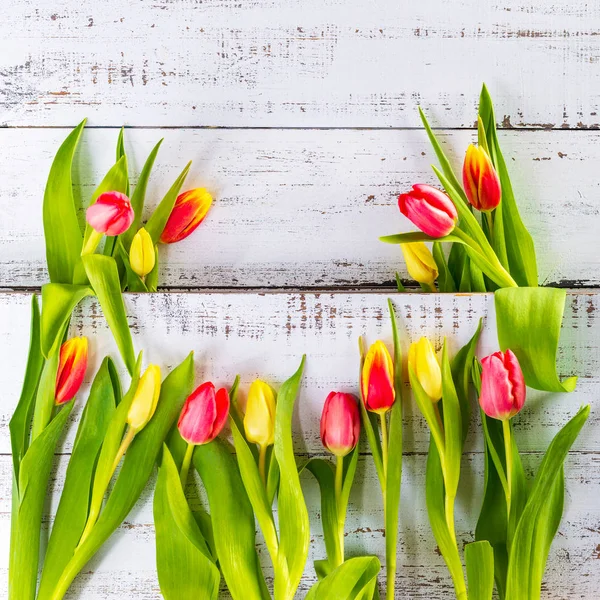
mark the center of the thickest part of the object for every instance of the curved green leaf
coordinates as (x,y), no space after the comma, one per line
(479,558)
(529,322)
(355,579)
(61,227)
(104,277)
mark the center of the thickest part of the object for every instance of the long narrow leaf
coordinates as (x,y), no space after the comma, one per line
(479,558)
(61,227)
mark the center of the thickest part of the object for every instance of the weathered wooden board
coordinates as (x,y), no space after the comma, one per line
(258,335)
(125,567)
(303,208)
(302,63)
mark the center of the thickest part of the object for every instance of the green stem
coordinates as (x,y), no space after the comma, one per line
(490,222)
(384,453)
(341,517)
(92,243)
(509,468)
(262,464)
(95,509)
(185,465)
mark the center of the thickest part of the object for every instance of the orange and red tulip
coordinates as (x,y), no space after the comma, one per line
(71,369)
(189,211)
(480,180)
(377,380)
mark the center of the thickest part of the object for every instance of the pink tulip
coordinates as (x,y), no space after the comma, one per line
(429,209)
(71,369)
(111,214)
(204,414)
(502,386)
(340,423)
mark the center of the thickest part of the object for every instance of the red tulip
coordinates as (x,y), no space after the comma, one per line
(377,379)
(111,214)
(502,386)
(340,423)
(189,211)
(429,209)
(481,182)
(204,414)
(71,369)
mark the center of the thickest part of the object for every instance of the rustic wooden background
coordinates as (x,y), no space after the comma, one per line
(301,118)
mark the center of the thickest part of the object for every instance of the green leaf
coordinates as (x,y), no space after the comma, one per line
(104,277)
(445,279)
(28,508)
(541,515)
(134,282)
(394,467)
(437,518)
(353,580)
(255,489)
(519,245)
(121,153)
(20,422)
(138,197)
(233,519)
(156,223)
(72,512)
(324,473)
(479,557)
(294,531)
(61,227)
(185,567)
(136,469)
(58,303)
(152,277)
(45,396)
(528,322)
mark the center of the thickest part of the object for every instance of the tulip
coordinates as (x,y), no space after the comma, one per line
(480,180)
(424,363)
(502,386)
(189,211)
(259,420)
(111,214)
(145,399)
(340,423)
(377,380)
(420,263)
(142,255)
(71,369)
(204,414)
(429,209)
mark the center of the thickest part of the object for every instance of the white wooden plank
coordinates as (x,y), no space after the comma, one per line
(258,335)
(125,566)
(291,63)
(303,208)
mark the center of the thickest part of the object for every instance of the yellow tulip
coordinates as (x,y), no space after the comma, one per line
(424,363)
(142,255)
(145,400)
(259,420)
(420,263)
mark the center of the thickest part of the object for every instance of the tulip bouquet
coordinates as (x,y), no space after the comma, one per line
(517,521)
(112,429)
(194,546)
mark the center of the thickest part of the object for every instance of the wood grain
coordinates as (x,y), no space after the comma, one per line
(309,63)
(301,209)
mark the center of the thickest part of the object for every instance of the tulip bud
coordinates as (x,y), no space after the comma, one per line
(502,386)
(189,211)
(481,182)
(340,423)
(142,256)
(71,369)
(377,380)
(145,399)
(204,414)
(111,214)
(259,420)
(420,263)
(429,209)
(424,363)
